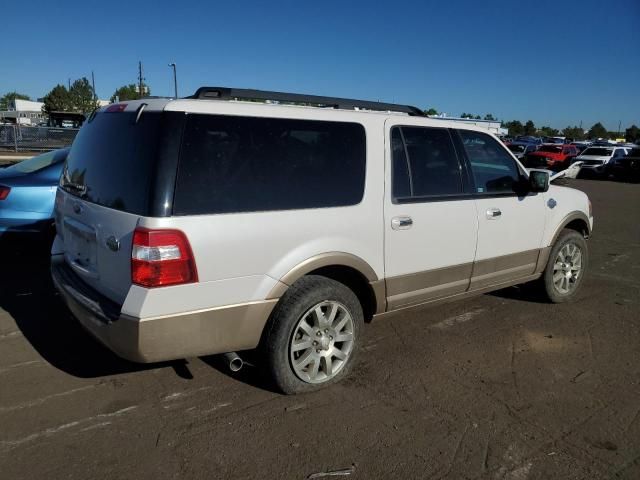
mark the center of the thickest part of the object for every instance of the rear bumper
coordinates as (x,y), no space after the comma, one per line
(218,330)
(24,222)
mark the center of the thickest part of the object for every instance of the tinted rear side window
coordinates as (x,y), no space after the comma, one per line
(234,164)
(112,160)
(433,165)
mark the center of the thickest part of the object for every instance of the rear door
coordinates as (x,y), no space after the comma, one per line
(510,221)
(430,219)
(106,186)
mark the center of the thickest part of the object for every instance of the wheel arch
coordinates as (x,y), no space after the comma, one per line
(577,221)
(348,269)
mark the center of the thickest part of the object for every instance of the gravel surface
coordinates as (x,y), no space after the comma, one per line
(502,386)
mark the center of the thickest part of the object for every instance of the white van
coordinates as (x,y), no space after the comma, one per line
(241,219)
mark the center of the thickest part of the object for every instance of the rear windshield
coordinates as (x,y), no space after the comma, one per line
(600,152)
(112,159)
(248,164)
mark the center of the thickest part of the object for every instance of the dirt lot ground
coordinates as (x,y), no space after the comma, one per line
(501,386)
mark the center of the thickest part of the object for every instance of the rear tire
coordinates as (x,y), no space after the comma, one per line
(566,267)
(313,335)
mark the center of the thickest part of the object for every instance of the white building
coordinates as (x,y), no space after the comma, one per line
(24,112)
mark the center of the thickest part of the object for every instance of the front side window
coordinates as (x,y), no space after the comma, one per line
(424,163)
(232,164)
(493,169)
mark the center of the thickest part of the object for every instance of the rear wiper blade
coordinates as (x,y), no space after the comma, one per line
(82,189)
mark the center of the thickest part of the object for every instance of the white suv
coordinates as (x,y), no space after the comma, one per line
(212,225)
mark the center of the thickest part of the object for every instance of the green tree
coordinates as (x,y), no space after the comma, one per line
(9,97)
(515,128)
(57,100)
(529,128)
(471,116)
(632,134)
(82,96)
(432,111)
(130,92)
(548,131)
(490,117)
(574,133)
(597,131)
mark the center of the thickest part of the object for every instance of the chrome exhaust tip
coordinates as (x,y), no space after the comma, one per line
(234,361)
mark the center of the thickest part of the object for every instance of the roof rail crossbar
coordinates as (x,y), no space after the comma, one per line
(225,93)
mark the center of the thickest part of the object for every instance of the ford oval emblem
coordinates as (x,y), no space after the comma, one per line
(113,243)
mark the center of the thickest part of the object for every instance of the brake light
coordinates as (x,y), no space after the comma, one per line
(4,192)
(116,107)
(161,257)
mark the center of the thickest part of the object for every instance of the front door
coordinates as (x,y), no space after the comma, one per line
(430,219)
(510,222)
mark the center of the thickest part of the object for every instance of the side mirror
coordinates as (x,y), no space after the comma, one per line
(539,180)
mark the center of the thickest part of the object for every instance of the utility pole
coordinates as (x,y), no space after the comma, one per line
(69,83)
(175,81)
(140,80)
(93,85)
(619,128)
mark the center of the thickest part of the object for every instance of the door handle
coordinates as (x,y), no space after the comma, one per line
(493,213)
(401,223)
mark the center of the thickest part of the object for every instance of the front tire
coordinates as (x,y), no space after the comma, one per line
(566,267)
(313,335)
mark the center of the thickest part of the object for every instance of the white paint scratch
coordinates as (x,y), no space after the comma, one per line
(97,425)
(21,364)
(40,401)
(178,395)
(16,333)
(458,319)
(10,444)
(217,407)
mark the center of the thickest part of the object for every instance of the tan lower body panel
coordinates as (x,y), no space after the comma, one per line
(425,287)
(459,296)
(502,269)
(207,332)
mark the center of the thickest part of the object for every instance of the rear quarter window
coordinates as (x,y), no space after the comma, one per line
(232,164)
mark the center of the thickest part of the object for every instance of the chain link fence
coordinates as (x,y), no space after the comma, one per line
(17,138)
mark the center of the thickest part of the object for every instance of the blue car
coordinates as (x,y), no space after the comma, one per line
(27,195)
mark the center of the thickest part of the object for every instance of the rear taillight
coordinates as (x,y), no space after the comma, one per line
(4,192)
(161,257)
(116,108)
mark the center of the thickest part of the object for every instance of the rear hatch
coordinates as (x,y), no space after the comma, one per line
(108,183)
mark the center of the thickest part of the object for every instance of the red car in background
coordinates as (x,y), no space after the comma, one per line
(552,156)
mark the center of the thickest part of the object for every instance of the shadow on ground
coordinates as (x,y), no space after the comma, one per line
(27,294)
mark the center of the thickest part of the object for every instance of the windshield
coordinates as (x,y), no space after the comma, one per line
(550,149)
(600,152)
(516,148)
(39,162)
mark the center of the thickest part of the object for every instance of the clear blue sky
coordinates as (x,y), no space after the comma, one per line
(555,62)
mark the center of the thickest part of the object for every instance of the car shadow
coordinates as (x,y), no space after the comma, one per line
(250,374)
(527,292)
(28,295)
